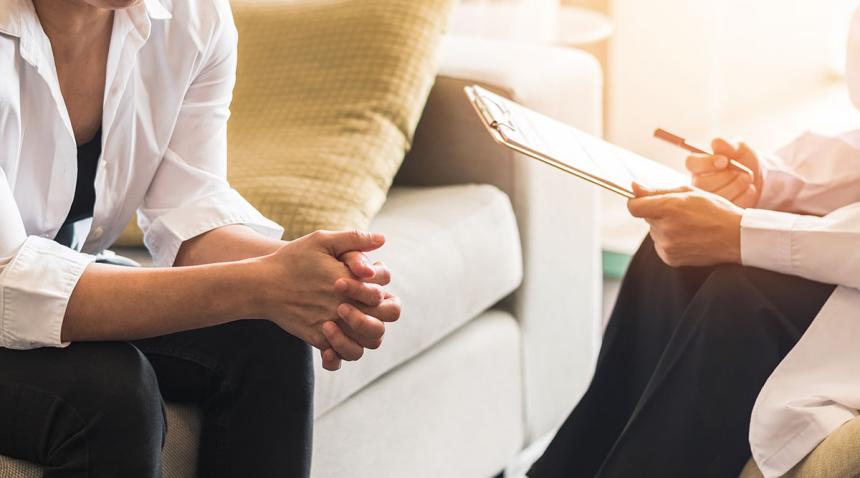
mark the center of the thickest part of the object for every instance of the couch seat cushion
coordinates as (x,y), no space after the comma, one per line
(454,251)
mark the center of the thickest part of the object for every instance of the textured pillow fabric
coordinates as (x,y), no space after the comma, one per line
(328,96)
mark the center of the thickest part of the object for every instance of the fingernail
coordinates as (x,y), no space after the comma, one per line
(721,162)
(343,310)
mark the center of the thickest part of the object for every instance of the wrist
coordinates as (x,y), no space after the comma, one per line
(734,248)
(242,289)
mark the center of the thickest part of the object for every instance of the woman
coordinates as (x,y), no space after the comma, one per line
(106,107)
(702,364)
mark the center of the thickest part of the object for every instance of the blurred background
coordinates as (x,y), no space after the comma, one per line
(765,70)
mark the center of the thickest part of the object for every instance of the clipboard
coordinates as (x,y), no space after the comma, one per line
(567,148)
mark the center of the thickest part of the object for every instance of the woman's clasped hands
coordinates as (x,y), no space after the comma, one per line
(323,289)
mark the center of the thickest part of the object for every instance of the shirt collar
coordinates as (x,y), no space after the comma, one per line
(13,14)
(156,10)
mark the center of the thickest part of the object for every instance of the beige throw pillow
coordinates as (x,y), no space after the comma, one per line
(328,97)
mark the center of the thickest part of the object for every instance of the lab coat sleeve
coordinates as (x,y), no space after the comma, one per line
(189,194)
(814,174)
(37,278)
(822,249)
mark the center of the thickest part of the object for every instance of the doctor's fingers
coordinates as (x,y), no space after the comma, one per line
(736,187)
(651,207)
(716,181)
(747,199)
(706,163)
(734,149)
(725,146)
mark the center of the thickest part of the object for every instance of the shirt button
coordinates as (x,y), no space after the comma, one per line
(97,233)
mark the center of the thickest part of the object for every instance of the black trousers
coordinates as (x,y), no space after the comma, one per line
(95,409)
(685,353)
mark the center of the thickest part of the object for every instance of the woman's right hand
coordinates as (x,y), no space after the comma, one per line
(713,174)
(303,292)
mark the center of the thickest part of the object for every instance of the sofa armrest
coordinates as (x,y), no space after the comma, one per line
(558,304)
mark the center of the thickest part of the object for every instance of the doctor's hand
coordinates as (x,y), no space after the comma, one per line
(690,227)
(712,172)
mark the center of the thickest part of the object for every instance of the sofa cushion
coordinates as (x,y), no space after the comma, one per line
(454,251)
(455,411)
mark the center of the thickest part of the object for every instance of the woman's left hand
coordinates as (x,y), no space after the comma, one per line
(690,227)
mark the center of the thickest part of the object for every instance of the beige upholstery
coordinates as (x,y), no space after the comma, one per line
(559,301)
(838,456)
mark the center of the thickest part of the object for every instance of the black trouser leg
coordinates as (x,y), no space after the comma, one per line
(255,385)
(88,410)
(684,357)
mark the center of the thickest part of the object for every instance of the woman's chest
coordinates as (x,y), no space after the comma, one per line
(82,87)
(38,148)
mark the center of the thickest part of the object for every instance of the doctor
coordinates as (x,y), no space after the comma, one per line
(736,330)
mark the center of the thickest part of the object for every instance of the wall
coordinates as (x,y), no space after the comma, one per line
(697,66)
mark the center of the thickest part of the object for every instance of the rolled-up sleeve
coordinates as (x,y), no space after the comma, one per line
(37,278)
(822,249)
(190,194)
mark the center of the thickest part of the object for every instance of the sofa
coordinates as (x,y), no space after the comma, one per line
(497,261)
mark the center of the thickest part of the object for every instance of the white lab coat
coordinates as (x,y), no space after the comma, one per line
(816,388)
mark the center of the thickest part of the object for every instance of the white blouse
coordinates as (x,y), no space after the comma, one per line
(170,75)
(816,388)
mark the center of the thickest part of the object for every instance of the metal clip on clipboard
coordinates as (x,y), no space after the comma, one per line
(483,104)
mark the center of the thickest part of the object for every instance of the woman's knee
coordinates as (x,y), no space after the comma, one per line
(103,403)
(124,396)
(268,353)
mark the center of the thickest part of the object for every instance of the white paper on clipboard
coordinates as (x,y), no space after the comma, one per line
(568,148)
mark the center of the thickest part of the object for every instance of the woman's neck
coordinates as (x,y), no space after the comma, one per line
(73,26)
